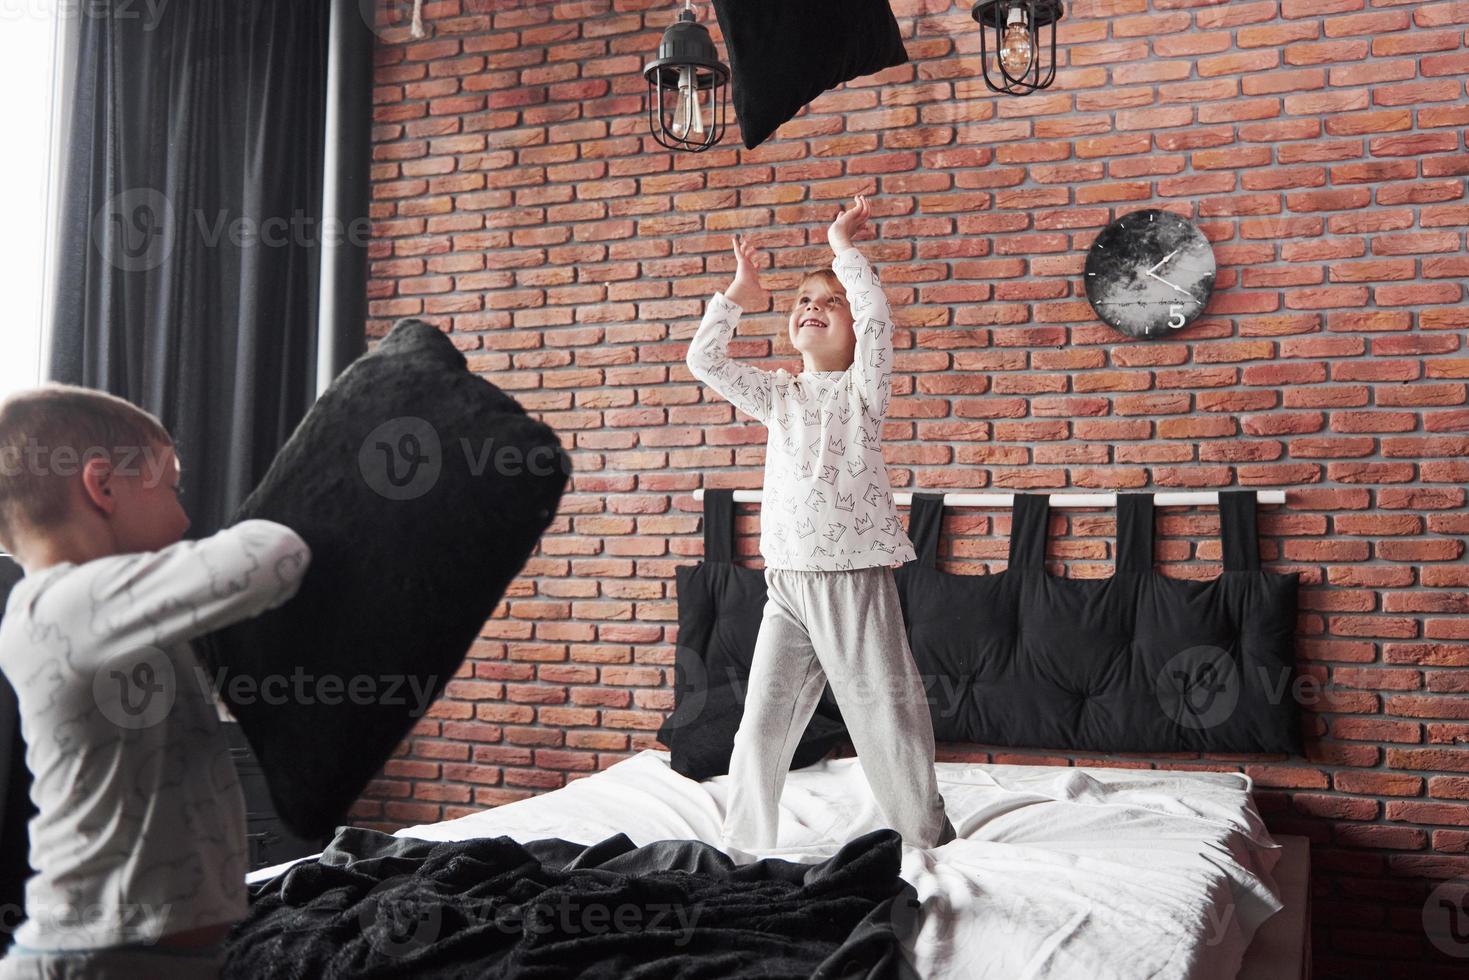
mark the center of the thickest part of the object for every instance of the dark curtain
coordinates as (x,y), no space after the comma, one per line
(212,172)
(210,252)
(15,790)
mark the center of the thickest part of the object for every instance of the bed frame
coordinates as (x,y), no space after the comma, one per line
(1281,949)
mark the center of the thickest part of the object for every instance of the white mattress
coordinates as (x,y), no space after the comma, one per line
(1058,873)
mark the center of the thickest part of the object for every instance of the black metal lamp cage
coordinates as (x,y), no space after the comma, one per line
(1014,27)
(688,87)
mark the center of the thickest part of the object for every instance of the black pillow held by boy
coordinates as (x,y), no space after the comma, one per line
(422,490)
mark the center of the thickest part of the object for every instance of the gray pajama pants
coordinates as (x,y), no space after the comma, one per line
(846,628)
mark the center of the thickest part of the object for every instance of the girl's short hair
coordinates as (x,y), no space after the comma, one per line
(828,278)
(47,433)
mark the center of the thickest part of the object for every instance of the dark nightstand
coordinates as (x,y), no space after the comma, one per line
(270,841)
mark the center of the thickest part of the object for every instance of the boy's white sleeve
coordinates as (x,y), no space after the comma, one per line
(872,323)
(747,387)
(164,597)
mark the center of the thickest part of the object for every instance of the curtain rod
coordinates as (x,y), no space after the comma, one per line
(1188,498)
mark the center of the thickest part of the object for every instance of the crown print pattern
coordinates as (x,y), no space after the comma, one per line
(827,500)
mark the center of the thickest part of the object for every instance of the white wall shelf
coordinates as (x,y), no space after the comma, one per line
(963,498)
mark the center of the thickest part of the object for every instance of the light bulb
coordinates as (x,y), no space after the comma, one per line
(688,117)
(1016,50)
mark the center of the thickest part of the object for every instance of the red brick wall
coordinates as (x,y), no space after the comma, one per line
(520,204)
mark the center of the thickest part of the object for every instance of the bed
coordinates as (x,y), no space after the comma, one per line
(1057,872)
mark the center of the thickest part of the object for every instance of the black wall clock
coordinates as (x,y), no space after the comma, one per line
(1150,273)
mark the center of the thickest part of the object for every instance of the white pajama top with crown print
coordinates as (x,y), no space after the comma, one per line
(827,503)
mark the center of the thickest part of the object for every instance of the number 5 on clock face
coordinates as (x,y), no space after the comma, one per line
(1149,273)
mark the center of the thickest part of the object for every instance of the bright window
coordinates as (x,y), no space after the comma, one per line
(27,44)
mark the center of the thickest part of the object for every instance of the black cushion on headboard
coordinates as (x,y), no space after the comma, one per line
(1137,662)
(720,605)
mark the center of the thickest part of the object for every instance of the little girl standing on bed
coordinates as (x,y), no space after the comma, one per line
(830,538)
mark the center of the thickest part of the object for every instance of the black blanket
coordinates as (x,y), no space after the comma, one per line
(374,905)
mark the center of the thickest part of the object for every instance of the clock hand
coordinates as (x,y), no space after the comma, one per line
(1171,286)
(1165,260)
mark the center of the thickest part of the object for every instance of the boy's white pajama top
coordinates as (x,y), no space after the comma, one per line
(141,824)
(827,503)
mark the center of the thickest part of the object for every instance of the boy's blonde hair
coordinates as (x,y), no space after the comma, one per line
(48,433)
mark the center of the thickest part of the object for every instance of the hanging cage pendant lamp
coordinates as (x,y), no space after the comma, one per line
(1012,43)
(688,87)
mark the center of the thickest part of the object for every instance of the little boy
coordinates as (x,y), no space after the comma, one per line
(139,844)
(830,538)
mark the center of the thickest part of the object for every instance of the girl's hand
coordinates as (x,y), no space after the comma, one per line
(745,290)
(848,223)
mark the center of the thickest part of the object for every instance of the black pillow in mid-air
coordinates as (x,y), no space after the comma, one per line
(421,490)
(784,53)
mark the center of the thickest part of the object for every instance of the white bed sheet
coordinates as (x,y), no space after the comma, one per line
(1058,873)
